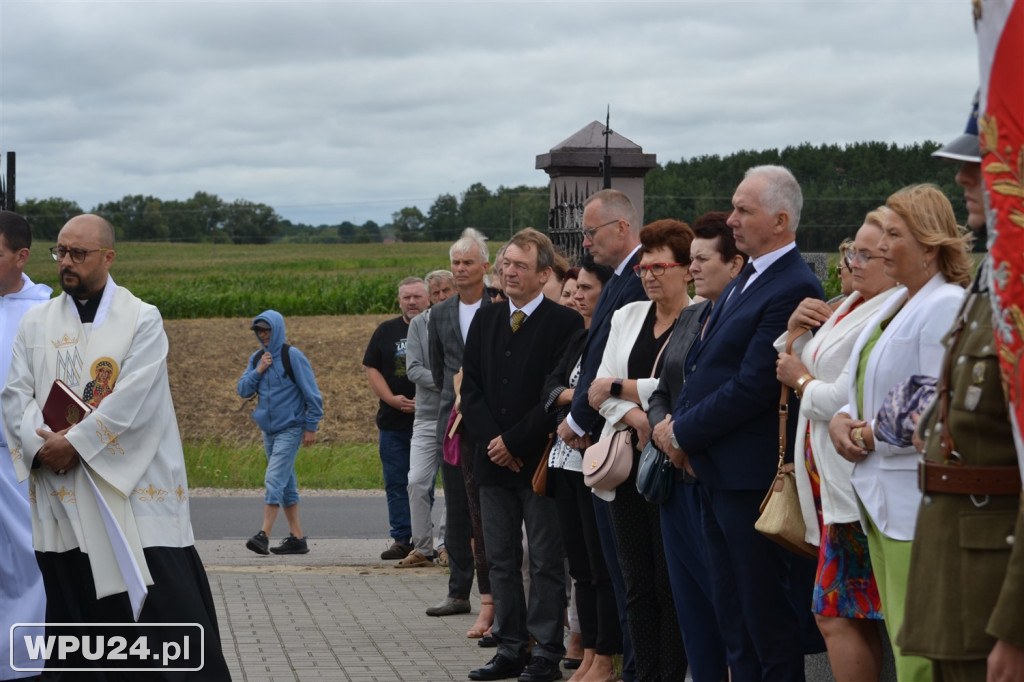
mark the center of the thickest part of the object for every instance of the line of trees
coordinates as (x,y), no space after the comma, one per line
(840,184)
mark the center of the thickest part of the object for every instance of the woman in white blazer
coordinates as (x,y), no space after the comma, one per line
(845,602)
(927,253)
(624,384)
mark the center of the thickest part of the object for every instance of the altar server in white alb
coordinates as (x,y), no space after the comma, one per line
(98,335)
(22,599)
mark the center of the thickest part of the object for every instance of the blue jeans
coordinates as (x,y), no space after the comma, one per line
(394,458)
(282,448)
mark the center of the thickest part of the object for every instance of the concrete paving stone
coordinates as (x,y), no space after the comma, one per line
(349,623)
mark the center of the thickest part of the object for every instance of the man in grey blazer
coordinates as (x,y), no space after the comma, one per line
(449,324)
(424,450)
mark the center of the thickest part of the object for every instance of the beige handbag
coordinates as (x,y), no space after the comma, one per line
(781,519)
(607,463)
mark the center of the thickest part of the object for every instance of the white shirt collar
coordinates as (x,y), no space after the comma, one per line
(765,261)
(529,308)
(622,265)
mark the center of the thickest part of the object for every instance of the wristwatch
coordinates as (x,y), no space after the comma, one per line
(616,388)
(800,383)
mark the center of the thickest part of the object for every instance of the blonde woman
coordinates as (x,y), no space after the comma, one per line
(927,253)
(845,601)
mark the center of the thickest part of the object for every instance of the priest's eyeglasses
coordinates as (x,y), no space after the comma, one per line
(656,269)
(77,255)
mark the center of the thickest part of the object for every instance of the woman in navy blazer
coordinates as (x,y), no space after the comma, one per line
(714,263)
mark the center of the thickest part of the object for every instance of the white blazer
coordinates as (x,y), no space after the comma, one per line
(826,355)
(886,481)
(626,324)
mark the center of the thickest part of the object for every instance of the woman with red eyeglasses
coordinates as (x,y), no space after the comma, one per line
(625,381)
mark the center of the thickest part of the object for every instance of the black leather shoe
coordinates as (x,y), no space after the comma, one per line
(487,642)
(499,668)
(541,670)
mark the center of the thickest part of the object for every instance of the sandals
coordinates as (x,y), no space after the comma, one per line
(475,632)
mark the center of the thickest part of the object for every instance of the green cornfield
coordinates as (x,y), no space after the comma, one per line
(225,280)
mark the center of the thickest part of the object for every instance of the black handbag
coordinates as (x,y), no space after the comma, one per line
(655,475)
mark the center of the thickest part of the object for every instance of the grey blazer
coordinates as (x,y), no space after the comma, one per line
(673,370)
(446,349)
(417,366)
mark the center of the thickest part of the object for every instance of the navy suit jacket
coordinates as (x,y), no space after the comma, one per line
(726,416)
(620,290)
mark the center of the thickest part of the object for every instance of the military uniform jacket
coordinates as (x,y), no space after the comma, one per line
(966,585)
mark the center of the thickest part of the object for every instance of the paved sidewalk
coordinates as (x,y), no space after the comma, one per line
(362,628)
(341,614)
(338,613)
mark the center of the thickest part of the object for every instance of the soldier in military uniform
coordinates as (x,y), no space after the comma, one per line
(965,601)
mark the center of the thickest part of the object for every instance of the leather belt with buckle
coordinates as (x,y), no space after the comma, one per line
(961,479)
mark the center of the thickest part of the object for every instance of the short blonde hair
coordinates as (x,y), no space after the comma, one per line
(929,216)
(875,217)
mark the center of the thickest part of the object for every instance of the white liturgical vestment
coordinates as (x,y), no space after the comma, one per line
(22,598)
(129,442)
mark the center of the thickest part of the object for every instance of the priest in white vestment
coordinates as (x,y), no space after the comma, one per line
(128,445)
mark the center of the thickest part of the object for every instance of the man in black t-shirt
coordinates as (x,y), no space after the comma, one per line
(384,361)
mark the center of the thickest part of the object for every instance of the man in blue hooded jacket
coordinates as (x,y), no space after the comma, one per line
(288,412)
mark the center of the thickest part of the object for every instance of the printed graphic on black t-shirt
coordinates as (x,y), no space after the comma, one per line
(386,354)
(400,370)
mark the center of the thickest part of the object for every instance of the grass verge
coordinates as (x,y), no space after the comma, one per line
(345,466)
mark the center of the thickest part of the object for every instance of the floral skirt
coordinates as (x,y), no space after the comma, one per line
(844,586)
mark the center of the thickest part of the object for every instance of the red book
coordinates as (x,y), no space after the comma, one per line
(63,408)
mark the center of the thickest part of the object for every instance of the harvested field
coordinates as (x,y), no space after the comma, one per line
(207,357)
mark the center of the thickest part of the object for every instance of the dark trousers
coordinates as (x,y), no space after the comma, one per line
(595,599)
(603,517)
(458,532)
(180,593)
(687,559)
(504,512)
(750,585)
(650,611)
(394,459)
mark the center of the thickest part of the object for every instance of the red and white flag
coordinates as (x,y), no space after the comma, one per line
(1000,30)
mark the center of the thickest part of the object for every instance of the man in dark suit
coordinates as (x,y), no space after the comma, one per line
(449,324)
(510,350)
(726,423)
(611,232)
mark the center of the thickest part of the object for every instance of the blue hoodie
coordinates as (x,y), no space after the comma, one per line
(283,403)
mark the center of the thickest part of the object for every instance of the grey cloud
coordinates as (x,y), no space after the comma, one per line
(337,110)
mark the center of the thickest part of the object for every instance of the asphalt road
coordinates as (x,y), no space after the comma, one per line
(335,517)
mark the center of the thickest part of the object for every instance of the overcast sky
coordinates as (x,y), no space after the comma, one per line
(330,111)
